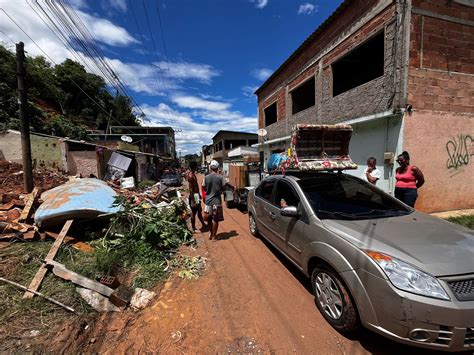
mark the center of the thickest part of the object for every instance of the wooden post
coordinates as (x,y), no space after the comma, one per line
(24,119)
(41,273)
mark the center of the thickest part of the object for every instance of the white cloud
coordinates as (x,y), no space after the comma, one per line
(249,90)
(105,31)
(260,3)
(193,102)
(184,70)
(201,123)
(307,9)
(261,74)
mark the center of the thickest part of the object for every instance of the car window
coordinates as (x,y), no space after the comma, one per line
(343,197)
(285,195)
(265,190)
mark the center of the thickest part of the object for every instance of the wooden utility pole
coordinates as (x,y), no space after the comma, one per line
(24,119)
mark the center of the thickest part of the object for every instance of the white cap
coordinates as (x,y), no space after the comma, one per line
(214,164)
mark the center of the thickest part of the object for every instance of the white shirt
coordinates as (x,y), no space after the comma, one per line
(376,173)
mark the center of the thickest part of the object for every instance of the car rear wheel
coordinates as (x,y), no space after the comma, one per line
(333,299)
(253,225)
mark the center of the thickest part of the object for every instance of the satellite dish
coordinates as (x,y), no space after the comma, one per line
(262,132)
(127,139)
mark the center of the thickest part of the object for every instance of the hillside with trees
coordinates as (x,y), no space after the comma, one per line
(60,98)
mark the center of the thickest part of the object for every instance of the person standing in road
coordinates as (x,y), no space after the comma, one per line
(409,180)
(214,184)
(371,173)
(194,197)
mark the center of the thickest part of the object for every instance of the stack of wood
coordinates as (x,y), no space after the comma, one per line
(16,221)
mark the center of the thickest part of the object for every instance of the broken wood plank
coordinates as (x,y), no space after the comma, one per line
(75,243)
(17,285)
(61,271)
(41,273)
(30,199)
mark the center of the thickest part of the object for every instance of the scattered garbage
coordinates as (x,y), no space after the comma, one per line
(189,267)
(141,298)
(127,182)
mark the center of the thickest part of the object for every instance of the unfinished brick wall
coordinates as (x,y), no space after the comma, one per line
(441,65)
(377,95)
(83,163)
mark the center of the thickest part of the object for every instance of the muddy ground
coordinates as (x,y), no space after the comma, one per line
(250,300)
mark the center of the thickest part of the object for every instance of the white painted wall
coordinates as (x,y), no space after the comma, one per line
(373,138)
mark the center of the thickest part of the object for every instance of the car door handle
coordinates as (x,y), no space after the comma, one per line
(272,215)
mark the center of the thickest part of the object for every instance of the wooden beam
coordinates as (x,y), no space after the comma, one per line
(41,273)
(75,243)
(30,199)
(61,271)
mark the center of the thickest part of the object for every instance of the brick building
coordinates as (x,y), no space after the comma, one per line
(224,141)
(401,72)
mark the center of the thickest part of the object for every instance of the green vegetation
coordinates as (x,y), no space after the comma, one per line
(56,104)
(145,183)
(142,239)
(466,221)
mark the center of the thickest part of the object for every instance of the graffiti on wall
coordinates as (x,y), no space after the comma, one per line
(460,151)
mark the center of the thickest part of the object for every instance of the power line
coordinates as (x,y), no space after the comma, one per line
(46,54)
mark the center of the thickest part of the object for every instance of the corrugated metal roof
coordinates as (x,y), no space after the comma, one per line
(119,161)
(311,38)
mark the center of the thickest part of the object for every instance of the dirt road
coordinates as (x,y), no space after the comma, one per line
(249,300)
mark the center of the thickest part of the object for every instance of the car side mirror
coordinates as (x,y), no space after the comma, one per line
(290,211)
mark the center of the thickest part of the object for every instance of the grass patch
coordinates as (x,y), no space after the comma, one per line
(20,316)
(466,221)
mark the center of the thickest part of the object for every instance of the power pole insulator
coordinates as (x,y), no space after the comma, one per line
(24,119)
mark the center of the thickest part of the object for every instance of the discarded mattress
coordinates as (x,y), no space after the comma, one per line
(80,198)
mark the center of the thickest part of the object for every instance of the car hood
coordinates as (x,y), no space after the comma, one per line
(435,246)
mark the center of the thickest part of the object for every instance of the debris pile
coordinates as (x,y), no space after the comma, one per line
(11,179)
(136,232)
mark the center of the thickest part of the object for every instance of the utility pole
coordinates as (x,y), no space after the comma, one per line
(24,119)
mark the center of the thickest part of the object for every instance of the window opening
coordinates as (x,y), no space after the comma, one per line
(360,66)
(303,97)
(270,114)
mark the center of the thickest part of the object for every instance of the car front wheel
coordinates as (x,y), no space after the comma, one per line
(333,299)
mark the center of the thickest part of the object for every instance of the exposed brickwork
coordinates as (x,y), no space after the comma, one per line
(374,96)
(445,7)
(438,48)
(302,78)
(347,16)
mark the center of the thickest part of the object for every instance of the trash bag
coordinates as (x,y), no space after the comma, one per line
(276,160)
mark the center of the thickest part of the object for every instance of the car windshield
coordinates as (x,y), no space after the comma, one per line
(334,196)
(170,176)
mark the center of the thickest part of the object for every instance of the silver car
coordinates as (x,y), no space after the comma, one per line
(372,260)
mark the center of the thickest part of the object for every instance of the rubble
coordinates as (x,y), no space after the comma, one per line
(59,199)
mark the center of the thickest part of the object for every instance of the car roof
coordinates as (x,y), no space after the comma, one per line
(302,175)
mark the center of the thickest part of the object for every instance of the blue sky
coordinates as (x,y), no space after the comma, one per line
(217,53)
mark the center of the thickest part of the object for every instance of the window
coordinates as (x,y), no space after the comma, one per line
(285,195)
(265,190)
(303,96)
(345,197)
(360,66)
(270,114)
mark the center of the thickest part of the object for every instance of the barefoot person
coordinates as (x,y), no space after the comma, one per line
(194,197)
(214,184)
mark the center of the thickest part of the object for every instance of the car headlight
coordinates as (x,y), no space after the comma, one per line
(407,277)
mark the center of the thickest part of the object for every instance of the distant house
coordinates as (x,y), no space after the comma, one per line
(402,74)
(224,141)
(154,140)
(78,157)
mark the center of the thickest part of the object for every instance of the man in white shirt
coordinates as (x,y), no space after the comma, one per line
(371,173)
